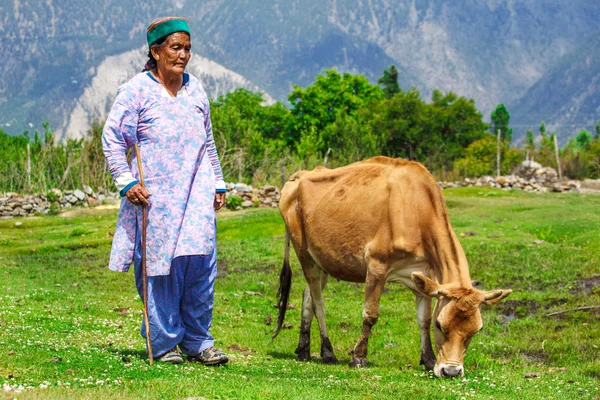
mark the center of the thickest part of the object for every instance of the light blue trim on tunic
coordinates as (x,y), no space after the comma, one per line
(126,188)
(186,77)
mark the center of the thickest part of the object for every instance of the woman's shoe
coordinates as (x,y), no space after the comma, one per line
(210,356)
(171,357)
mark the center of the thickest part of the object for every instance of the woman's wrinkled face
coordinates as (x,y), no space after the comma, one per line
(174,54)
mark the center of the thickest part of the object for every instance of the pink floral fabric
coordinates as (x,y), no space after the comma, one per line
(180,166)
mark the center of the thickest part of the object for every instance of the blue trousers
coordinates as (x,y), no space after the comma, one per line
(180,304)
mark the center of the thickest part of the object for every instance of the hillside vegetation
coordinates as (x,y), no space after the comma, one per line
(337,120)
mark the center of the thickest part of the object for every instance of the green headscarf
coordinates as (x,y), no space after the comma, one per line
(166,26)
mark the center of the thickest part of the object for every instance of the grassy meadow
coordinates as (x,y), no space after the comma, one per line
(69,328)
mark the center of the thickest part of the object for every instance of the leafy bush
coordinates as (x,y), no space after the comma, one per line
(52,197)
(233,202)
(54,208)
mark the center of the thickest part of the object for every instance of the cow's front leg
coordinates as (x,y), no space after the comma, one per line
(424,321)
(374,285)
(303,349)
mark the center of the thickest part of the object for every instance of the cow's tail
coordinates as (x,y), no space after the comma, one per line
(285,284)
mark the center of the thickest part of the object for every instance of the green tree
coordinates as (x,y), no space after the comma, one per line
(583,139)
(318,105)
(597,130)
(389,82)
(353,138)
(501,121)
(546,153)
(249,135)
(403,123)
(454,123)
(480,158)
(542,129)
(530,144)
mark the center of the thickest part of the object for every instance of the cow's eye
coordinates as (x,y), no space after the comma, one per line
(438,325)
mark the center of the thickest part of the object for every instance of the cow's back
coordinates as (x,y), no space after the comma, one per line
(339,216)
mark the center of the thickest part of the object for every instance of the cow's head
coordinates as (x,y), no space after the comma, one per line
(457,318)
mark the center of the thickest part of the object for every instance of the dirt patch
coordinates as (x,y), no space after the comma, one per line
(79,212)
(239,349)
(519,308)
(222,267)
(344,325)
(586,286)
(511,309)
(537,357)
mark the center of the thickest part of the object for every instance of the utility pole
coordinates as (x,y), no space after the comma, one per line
(326,157)
(28,167)
(498,153)
(557,158)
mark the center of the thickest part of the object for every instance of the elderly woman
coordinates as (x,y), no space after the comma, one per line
(166,112)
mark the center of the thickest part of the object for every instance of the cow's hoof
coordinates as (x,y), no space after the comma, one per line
(429,364)
(329,359)
(358,362)
(303,355)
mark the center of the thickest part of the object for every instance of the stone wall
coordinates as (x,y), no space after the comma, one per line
(528,176)
(14,205)
(266,196)
(517,183)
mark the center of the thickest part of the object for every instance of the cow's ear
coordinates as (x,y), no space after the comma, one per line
(494,296)
(427,286)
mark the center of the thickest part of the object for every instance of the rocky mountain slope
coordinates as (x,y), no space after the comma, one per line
(491,50)
(98,96)
(567,97)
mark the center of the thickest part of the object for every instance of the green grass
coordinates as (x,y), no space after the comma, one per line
(69,328)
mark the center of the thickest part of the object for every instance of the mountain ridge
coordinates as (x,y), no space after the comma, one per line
(491,50)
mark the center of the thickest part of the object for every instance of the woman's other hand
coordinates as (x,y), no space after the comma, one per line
(138,195)
(219,200)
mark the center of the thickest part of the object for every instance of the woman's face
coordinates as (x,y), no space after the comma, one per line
(174,55)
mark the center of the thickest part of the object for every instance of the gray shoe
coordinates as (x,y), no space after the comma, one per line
(171,357)
(210,356)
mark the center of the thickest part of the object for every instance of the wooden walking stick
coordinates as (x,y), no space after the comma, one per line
(144,275)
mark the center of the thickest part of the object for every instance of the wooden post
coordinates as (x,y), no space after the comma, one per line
(326,156)
(28,167)
(283,177)
(239,164)
(557,158)
(498,153)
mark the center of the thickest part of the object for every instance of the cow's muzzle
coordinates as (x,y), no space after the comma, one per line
(448,371)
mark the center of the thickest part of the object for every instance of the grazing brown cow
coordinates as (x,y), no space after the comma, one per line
(377,221)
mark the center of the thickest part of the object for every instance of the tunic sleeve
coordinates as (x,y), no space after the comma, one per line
(213,155)
(119,134)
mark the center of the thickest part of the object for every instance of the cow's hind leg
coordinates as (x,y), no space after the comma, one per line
(424,321)
(303,349)
(316,281)
(374,285)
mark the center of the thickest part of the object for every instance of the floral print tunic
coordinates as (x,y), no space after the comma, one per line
(180,166)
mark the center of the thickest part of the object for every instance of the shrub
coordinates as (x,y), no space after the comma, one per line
(52,197)
(233,202)
(54,208)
